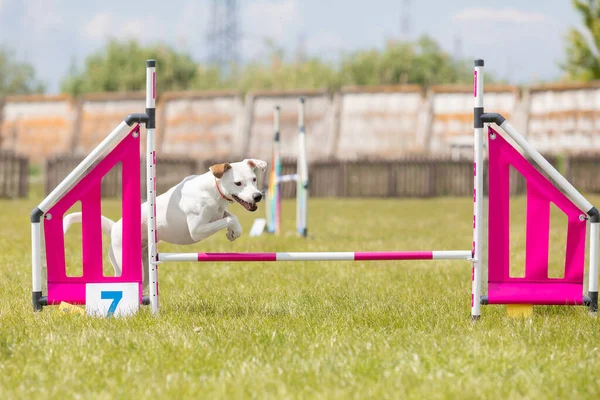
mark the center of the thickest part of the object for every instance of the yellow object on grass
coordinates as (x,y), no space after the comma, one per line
(519,310)
(70,308)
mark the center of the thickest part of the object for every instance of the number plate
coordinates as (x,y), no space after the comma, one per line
(111,299)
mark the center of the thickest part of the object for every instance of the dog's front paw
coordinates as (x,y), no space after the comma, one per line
(234,229)
(233,234)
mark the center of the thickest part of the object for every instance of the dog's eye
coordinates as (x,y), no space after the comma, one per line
(254,179)
(238,183)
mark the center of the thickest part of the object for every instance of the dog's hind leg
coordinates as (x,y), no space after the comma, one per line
(113,259)
(70,219)
(115,253)
(77,217)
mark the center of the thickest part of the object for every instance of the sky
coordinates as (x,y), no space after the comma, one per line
(521,41)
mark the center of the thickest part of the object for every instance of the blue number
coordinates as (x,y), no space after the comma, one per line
(115,296)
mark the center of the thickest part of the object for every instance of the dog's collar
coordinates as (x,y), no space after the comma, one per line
(221,193)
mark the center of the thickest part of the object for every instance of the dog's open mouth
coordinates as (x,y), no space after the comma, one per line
(248,206)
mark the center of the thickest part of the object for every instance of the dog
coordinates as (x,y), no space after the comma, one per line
(192,210)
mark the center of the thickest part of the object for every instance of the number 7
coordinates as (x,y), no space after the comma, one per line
(115,296)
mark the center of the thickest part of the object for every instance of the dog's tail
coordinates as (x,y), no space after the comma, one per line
(68,220)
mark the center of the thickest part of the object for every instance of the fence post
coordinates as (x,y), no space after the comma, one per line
(23,177)
(391,180)
(46,174)
(2,170)
(2,100)
(343,181)
(567,166)
(432,166)
(8,181)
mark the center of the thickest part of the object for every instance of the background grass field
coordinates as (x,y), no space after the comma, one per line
(302,330)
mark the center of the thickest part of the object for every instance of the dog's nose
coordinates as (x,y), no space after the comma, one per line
(257,197)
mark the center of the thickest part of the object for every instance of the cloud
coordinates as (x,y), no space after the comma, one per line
(98,27)
(510,15)
(191,24)
(325,42)
(133,29)
(328,40)
(41,18)
(105,25)
(275,21)
(270,18)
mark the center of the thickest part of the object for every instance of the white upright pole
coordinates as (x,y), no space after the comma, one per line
(276,219)
(302,182)
(593,279)
(36,263)
(151,184)
(477,191)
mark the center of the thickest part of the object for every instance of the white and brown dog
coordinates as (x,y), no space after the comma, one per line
(193,210)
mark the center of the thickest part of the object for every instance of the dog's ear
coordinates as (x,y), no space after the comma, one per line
(218,170)
(254,163)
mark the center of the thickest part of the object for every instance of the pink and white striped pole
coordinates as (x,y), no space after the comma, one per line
(478,150)
(317,256)
(151,184)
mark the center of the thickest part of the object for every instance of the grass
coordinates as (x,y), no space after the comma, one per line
(301,330)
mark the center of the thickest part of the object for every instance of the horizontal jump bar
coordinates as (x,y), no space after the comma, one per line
(319,256)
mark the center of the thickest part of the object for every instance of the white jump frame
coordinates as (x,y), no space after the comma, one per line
(155,258)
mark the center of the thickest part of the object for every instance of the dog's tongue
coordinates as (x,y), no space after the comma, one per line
(246,205)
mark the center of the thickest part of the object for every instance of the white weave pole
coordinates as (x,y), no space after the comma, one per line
(302,170)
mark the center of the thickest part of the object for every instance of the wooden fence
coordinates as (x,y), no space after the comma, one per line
(407,177)
(14,175)
(583,171)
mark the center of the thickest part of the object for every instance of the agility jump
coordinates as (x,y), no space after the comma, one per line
(83,184)
(273,210)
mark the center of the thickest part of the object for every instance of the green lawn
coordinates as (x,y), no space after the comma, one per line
(301,330)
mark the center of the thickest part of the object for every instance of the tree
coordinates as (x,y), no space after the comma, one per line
(422,62)
(582,54)
(310,74)
(280,73)
(117,68)
(433,66)
(17,77)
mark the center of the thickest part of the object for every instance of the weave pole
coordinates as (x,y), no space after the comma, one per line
(302,170)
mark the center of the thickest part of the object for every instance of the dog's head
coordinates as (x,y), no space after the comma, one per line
(238,181)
